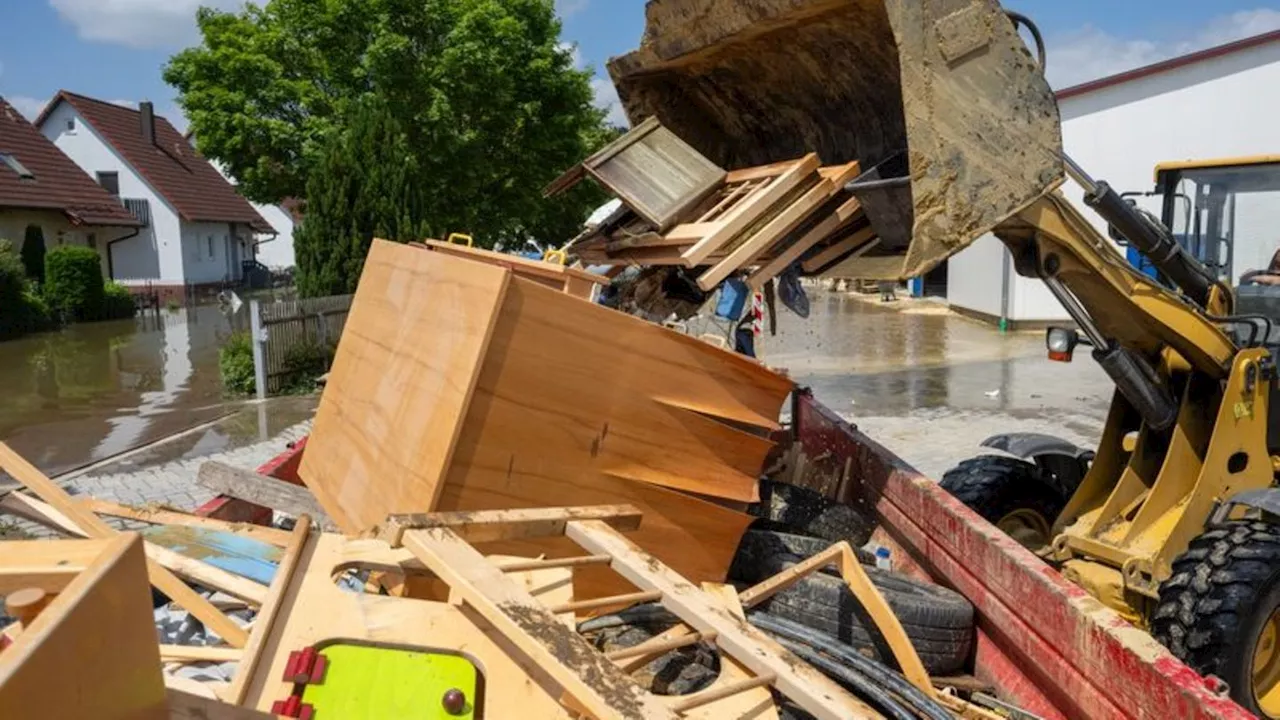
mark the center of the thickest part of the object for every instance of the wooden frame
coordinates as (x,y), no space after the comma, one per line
(571,281)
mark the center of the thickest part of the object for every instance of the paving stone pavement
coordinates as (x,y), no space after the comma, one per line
(172,484)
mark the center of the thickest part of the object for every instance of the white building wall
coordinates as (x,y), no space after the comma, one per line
(57,230)
(208,255)
(973,277)
(156,253)
(276,252)
(1220,107)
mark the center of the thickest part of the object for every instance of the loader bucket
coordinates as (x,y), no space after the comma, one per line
(940,101)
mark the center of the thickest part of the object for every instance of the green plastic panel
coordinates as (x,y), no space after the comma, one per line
(377,683)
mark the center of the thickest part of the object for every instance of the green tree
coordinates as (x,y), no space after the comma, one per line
(485,93)
(364,187)
(33,253)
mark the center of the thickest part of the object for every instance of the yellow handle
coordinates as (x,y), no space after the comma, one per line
(459,236)
(557,256)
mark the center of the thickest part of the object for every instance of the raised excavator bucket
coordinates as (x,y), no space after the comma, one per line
(940,101)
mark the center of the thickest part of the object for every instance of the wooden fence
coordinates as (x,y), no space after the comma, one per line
(285,329)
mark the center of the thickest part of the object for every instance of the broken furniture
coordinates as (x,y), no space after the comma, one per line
(757,220)
(557,276)
(459,385)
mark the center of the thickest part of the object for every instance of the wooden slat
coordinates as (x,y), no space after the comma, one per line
(706,697)
(643,596)
(666,645)
(270,609)
(778,227)
(494,525)
(760,172)
(689,233)
(521,266)
(734,193)
(210,576)
(560,652)
(199,653)
(257,488)
(863,240)
(165,516)
(829,225)
(751,209)
(804,685)
(524,565)
(165,581)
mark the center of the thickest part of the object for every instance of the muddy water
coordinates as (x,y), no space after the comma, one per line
(91,391)
(860,356)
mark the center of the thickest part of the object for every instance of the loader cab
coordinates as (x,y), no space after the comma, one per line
(1225,212)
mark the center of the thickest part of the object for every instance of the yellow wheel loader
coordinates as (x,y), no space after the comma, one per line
(1170,519)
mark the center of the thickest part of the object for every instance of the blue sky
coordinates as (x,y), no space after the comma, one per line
(114,49)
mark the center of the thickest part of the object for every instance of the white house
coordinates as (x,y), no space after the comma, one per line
(1217,103)
(197,229)
(274,249)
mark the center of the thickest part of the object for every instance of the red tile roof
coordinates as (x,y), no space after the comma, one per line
(180,174)
(1170,64)
(58,183)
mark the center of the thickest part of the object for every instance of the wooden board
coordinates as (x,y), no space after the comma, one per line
(574,404)
(832,223)
(266,491)
(860,240)
(92,653)
(553,275)
(403,376)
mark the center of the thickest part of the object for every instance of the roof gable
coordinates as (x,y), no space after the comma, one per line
(50,180)
(180,174)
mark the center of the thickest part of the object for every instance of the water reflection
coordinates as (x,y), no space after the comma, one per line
(90,391)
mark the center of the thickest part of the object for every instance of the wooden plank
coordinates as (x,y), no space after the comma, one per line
(269,611)
(776,229)
(92,652)
(760,172)
(90,524)
(643,596)
(202,573)
(751,209)
(566,656)
(829,225)
(521,266)
(167,516)
(706,697)
(266,491)
(423,384)
(689,233)
(199,653)
(494,525)
(861,241)
(734,193)
(756,704)
(804,685)
(50,578)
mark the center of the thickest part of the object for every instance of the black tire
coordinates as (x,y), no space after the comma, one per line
(938,621)
(996,486)
(799,510)
(1214,606)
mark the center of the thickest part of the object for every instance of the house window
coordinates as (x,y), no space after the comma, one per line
(110,181)
(71,125)
(92,239)
(210,247)
(12,163)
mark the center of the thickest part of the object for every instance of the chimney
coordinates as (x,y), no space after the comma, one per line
(147,114)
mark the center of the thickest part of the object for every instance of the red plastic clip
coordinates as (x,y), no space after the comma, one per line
(305,667)
(293,707)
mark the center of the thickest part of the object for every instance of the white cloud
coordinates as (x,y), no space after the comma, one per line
(138,23)
(606,98)
(1090,53)
(565,8)
(29,107)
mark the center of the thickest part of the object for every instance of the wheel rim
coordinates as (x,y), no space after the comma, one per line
(1266,667)
(1028,527)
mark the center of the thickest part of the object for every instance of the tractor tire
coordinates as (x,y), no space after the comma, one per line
(1217,611)
(1009,493)
(938,621)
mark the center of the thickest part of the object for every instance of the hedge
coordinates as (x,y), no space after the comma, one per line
(21,309)
(117,302)
(73,282)
(235,365)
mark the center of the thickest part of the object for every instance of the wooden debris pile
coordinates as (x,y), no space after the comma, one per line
(680,209)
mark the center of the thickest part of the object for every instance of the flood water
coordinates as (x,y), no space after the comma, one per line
(91,391)
(860,356)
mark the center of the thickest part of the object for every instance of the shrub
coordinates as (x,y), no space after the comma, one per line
(21,310)
(117,302)
(304,365)
(33,253)
(73,282)
(235,365)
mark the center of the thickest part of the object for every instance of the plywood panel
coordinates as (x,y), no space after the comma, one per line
(92,653)
(402,377)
